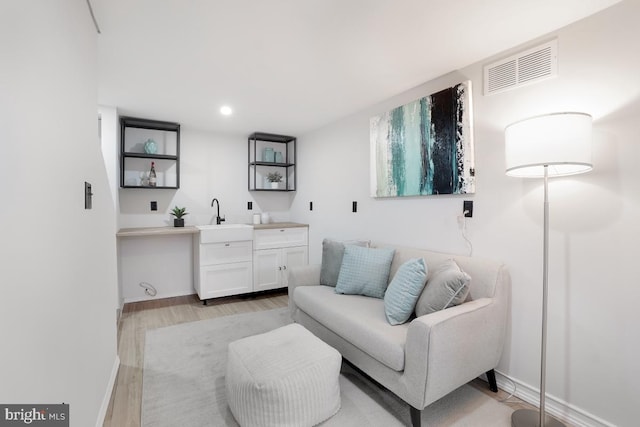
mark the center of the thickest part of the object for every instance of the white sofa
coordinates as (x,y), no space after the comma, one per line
(426,358)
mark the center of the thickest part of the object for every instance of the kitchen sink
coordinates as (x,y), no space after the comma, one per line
(225,233)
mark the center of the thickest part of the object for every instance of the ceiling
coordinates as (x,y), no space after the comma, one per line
(291,66)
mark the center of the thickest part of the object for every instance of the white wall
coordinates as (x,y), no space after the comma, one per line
(593,315)
(109,136)
(57,260)
(164,262)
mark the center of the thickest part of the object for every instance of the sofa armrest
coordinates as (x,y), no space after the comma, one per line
(448,348)
(304,275)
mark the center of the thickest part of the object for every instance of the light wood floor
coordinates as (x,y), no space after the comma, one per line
(126,399)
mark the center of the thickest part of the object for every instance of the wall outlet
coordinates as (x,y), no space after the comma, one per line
(354,207)
(250,206)
(467,208)
(154,205)
(310,206)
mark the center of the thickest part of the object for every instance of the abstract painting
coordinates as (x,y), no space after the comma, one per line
(424,147)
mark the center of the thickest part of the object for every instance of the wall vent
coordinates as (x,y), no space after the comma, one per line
(530,66)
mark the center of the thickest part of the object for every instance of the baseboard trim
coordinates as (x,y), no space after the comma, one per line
(554,406)
(159,296)
(107,395)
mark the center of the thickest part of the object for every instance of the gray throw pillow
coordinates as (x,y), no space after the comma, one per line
(332,253)
(447,286)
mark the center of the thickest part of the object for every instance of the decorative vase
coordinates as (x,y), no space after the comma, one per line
(275,185)
(268,155)
(144,179)
(150,146)
(178,222)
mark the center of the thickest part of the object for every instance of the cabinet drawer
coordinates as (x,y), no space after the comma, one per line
(280,238)
(223,253)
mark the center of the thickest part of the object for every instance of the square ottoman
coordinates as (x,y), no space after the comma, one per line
(285,377)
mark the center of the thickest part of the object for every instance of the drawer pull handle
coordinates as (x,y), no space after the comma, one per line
(284,268)
(227,244)
(280,268)
(281,231)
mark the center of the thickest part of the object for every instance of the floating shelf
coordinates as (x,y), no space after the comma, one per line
(135,161)
(263,149)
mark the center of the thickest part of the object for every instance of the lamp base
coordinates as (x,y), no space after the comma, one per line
(531,418)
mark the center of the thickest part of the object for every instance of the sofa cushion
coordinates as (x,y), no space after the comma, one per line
(404,290)
(364,271)
(332,254)
(358,319)
(446,287)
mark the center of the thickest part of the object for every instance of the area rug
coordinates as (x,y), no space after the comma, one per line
(183,382)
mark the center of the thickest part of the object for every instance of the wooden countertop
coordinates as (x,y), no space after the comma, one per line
(272,225)
(155,231)
(167,230)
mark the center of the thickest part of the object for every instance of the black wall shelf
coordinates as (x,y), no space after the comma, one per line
(135,162)
(264,149)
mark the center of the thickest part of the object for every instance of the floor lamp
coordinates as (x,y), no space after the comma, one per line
(557,144)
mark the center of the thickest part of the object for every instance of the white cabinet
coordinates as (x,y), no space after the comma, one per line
(275,251)
(222,269)
(227,262)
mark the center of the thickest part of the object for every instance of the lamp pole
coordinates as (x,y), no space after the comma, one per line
(528,417)
(545,287)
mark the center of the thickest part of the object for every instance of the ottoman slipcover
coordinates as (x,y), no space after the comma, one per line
(285,377)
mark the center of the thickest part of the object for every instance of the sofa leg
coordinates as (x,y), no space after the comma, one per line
(415,416)
(491,377)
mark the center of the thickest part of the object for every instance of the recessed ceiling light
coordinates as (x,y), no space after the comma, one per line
(225,110)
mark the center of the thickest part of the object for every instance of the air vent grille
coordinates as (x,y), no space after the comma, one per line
(533,65)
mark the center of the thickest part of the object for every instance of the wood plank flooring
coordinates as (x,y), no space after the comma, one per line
(126,399)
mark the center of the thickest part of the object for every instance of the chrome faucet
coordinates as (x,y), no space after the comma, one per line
(218,219)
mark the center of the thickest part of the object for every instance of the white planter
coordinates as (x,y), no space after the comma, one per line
(275,185)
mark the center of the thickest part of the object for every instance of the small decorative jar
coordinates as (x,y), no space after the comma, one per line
(267,155)
(150,146)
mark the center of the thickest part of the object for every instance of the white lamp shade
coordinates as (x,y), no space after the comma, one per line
(561,141)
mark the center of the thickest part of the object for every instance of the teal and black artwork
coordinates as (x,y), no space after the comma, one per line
(424,147)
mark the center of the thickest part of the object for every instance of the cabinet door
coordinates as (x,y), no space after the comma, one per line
(224,279)
(293,257)
(267,269)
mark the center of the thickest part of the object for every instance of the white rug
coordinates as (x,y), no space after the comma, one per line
(183,382)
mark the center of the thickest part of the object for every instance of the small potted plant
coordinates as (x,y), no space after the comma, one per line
(274,178)
(179,213)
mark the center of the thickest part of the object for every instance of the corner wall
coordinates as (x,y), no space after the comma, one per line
(592,375)
(57,260)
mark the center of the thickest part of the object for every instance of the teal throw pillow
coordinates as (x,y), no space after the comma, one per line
(364,271)
(447,286)
(404,290)
(332,253)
